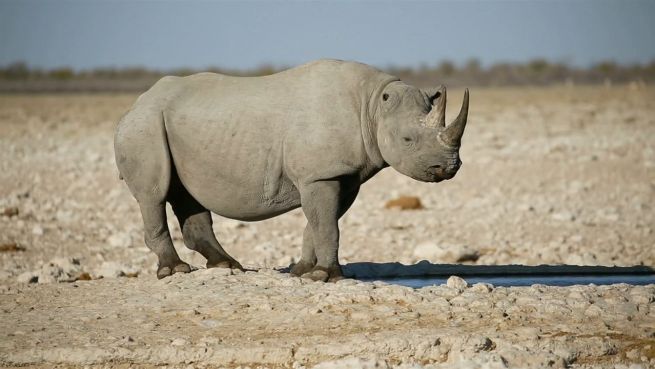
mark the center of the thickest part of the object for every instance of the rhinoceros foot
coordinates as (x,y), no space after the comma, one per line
(232,264)
(165,271)
(323,274)
(302,267)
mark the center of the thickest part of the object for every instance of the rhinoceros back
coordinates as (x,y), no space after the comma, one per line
(237,143)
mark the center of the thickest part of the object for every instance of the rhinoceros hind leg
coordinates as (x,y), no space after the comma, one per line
(158,239)
(165,271)
(196,224)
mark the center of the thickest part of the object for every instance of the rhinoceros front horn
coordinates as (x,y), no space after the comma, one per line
(452,135)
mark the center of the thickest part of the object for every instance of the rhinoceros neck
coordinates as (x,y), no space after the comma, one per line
(370,126)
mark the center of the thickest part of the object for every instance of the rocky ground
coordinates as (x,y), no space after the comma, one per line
(551,176)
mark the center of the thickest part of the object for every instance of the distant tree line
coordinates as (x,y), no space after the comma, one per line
(19,77)
(539,72)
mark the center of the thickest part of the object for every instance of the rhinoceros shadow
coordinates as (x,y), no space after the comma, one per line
(425,273)
(424,268)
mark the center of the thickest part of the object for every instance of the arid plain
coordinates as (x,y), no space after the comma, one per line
(556,175)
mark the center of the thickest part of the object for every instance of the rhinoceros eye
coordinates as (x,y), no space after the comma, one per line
(385,97)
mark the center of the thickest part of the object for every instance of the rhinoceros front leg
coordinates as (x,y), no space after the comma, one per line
(320,203)
(308,258)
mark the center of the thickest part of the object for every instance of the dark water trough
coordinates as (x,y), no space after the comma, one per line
(426,274)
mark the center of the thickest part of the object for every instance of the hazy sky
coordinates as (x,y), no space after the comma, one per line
(170,34)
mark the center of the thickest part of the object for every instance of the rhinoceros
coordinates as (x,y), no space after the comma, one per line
(251,148)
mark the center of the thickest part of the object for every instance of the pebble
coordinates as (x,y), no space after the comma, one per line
(37,230)
(179,342)
(456,283)
(405,203)
(27,277)
(120,240)
(10,211)
(353,363)
(448,253)
(482,287)
(563,216)
(112,269)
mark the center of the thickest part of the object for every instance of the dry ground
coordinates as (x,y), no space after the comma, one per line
(560,175)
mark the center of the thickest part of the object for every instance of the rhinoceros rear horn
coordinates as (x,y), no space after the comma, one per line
(452,135)
(437,116)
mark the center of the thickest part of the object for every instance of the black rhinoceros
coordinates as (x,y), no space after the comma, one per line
(251,148)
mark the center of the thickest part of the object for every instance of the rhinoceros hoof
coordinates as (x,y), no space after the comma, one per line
(301,268)
(232,264)
(324,274)
(165,271)
(316,275)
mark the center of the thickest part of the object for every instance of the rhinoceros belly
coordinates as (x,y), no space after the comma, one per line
(232,170)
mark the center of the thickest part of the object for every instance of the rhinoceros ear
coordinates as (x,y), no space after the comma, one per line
(433,93)
(436,118)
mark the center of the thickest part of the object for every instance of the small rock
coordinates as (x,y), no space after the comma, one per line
(27,277)
(209,323)
(179,342)
(563,216)
(482,287)
(353,363)
(297,365)
(11,247)
(37,230)
(10,211)
(632,354)
(59,270)
(126,340)
(456,283)
(120,240)
(405,203)
(112,269)
(50,273)
(445,253)
(479,343)
(84,276)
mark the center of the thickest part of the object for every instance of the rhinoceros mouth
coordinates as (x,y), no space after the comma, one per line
(436,173)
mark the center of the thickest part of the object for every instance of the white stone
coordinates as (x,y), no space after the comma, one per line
(447,253)
(482,287)
(456,283)
(563,216)
(112,269)
(27,277)
(37,230)
(353,363)
(179,342)
(121,239)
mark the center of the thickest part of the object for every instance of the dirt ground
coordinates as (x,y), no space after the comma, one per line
(560,175)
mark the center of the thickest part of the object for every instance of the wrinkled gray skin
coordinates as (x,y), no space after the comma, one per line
(251,148)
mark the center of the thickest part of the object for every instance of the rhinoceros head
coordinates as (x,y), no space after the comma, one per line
(412,134)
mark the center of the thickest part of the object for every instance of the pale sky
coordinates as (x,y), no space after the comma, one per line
(247,34)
